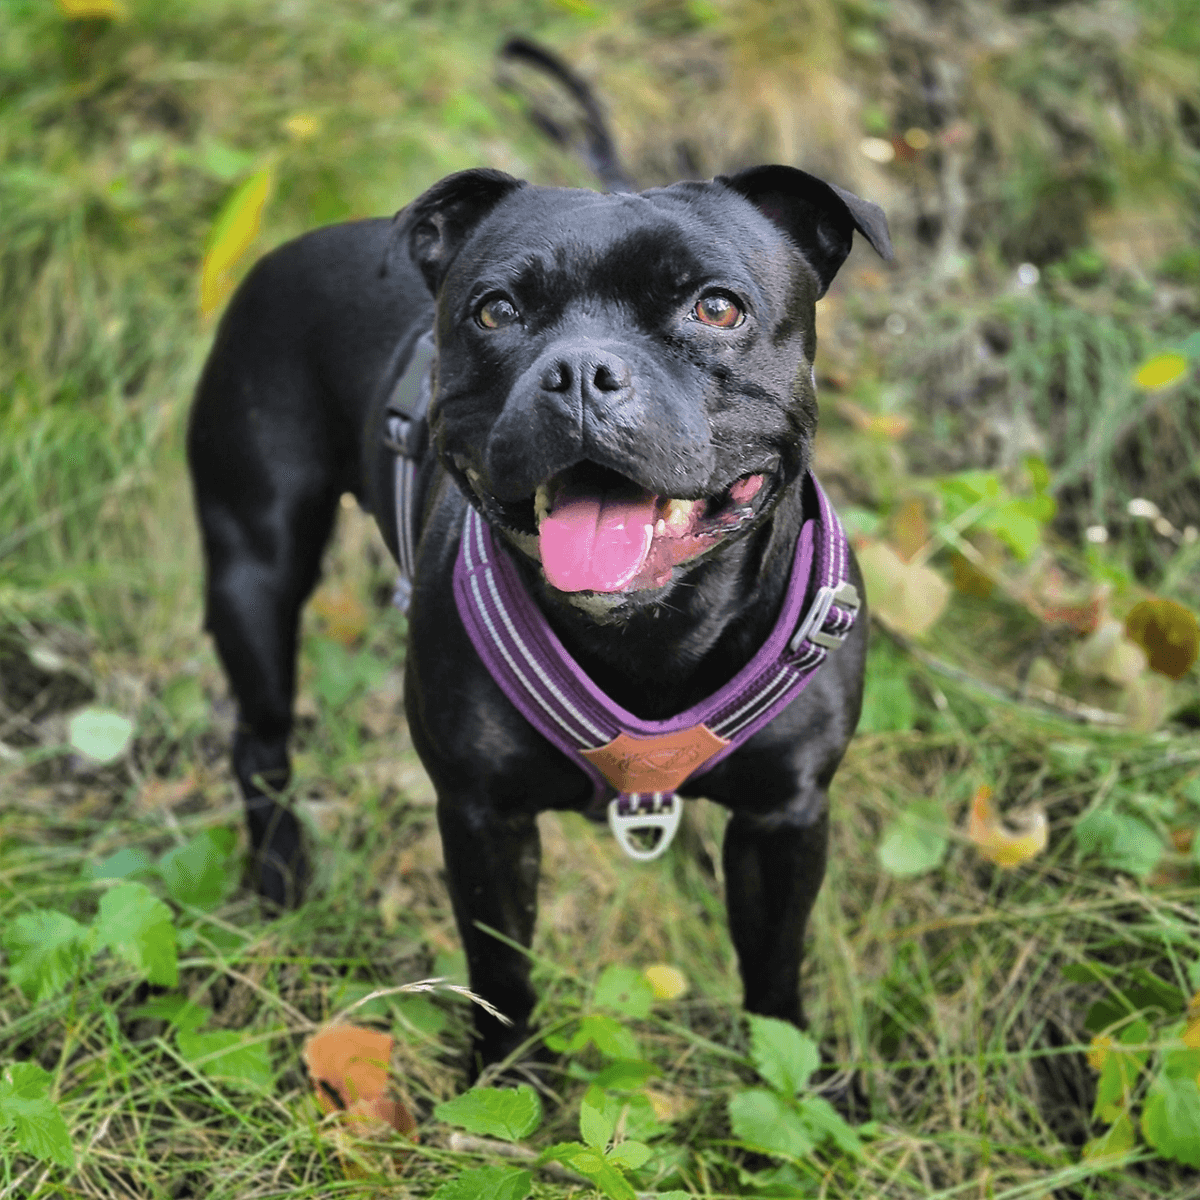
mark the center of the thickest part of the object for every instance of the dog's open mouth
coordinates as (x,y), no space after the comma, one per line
(598,531)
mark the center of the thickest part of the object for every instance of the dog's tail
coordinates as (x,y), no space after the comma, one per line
(596,145)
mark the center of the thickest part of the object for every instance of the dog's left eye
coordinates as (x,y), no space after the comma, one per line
(719,309)
(496,313)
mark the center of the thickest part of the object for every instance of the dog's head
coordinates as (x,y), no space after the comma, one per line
(624,382)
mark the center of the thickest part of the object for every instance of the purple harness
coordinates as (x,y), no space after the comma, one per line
(643,762)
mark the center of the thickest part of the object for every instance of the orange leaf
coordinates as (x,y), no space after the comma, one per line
(349,1069)
(1006,848)
(1168,633)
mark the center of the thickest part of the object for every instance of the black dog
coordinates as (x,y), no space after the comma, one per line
(598,357)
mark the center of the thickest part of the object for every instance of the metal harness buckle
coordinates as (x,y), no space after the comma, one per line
(664,813)
(845,594)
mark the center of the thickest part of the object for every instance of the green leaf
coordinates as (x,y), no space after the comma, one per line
(630,1155)
(99,734)
(37,1123)
(595,1126)
(126,862)
(766,1121)
(607,1034)
(507,1113)
(782,1055)
(1121,841)
(487,1183)
(823,1121)
(625,991)
(176,1010)
(342,674)
(226,1055)
(1171,1116)
(625,1075)
(201,872)
(44,950)
(916,841)
(137,927)
(1120,1072)
(593,1165)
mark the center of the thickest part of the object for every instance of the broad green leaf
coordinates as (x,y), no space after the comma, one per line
(1117,1141)
(607,1034)
(624,990)
(225,1054)
(1171,1116)
(625,1075)
(487,1183)
(823,1121)
(201,872)
(99,734)
(766,1121)
(782,1055)
(124,863)
(176,1010)
(137,927)
(1120,840)
(916,841)
(630,1155)
(44,949)
(507,1113)
(1119,1072)
(595,1125)
(593,1165)
(36,1122)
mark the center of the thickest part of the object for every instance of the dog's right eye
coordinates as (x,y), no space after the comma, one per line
(496,313)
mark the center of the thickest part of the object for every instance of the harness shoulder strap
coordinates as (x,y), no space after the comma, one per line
(406,435)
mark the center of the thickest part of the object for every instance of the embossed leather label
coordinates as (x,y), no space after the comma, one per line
(659,764)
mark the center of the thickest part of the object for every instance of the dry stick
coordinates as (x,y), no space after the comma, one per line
(1053,701)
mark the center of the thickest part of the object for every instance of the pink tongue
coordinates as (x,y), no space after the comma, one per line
(592,544)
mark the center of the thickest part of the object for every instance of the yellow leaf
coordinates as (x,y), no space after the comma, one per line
(1191,1034)
(1169,634)
(1098,1054)
(1161,371)
(667,983)
(85,10)
(1006,848)
(907,597)
(909,528)
(302,126)
(232,235)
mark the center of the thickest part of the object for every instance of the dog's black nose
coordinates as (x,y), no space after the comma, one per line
(595,370)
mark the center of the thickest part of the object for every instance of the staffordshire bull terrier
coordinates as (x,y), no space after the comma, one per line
(584,423)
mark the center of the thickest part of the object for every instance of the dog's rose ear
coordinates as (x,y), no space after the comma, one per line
(438,221)
(819,217)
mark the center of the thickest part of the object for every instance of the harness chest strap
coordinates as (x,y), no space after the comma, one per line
(644,762)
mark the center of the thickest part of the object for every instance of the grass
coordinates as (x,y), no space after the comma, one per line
(955,1005)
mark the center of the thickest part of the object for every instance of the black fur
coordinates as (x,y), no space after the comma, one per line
(606,371)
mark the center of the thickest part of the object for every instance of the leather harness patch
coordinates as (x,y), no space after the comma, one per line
(657,764)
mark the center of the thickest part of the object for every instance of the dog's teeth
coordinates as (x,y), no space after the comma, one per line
(660,530)
(678,514)
(541,502)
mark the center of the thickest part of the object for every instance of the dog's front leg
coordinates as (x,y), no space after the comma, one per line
(774,865)
(492,864)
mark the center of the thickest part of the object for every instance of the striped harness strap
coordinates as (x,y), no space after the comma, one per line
(644,762)
(406,435)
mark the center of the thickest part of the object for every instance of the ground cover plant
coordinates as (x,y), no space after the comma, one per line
(1004,972)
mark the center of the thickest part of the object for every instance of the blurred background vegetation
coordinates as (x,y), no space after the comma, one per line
(1010,424)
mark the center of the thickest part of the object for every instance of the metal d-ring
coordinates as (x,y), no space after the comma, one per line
(664,814)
